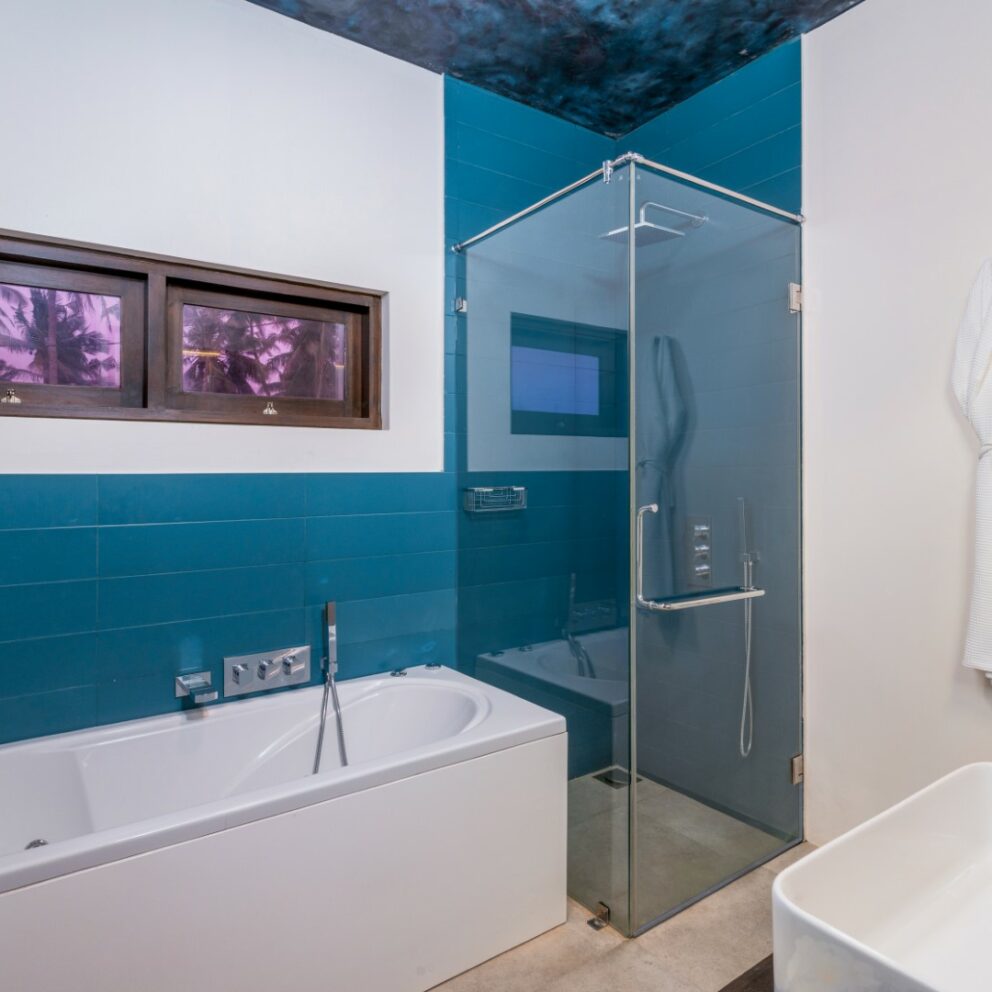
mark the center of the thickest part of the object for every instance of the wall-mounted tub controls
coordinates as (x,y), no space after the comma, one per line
(266,670)
(699,541)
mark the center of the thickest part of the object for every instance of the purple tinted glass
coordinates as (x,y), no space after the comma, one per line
(259,354)
(58,337)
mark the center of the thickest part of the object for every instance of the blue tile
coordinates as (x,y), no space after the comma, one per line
(118,700)
(389,616)
(362,536)
(393,492)
(52,555)
(47,609)
(405,651)
(140,499)
(48,663)
(472,105)
(42,713)
(164,650)
(741,132)
(774,71)
(760,161)
(785,190)
(474,145)
(366,578)
(152,599)
(146,549)
(47,500)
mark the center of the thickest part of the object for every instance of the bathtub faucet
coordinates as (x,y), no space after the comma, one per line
(196,685)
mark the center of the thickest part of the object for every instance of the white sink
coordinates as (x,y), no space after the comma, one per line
(902,903)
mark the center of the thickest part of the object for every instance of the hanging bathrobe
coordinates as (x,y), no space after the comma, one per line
(973,387)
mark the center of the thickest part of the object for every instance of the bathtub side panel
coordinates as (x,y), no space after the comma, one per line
(394,889)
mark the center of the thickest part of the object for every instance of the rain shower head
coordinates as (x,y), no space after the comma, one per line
(648,232)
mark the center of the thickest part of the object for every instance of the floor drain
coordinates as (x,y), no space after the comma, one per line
(38,842)
(616,778)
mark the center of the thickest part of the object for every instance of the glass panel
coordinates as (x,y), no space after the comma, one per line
(717,458)
(567,378)
(58,337)
(543,592)
(255,353)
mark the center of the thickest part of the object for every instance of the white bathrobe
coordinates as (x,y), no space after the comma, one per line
(972,385)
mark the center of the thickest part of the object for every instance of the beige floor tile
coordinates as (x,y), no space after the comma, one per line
(685,847)
(534,966)
(719,938)
(790,857)
(624,969)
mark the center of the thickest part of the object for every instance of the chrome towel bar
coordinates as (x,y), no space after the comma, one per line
(673,603)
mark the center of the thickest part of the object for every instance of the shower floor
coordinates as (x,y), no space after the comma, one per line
(684,848)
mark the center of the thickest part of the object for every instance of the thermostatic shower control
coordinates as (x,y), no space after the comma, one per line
(266,670)
(699,539)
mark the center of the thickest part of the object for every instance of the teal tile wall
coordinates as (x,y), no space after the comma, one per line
(744,132)
(111,585)
(513,569)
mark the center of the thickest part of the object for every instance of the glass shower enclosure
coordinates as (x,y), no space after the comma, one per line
(629,550)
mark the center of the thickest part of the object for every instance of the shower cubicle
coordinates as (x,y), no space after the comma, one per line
(629,546)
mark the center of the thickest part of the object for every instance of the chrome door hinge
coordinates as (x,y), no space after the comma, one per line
(602,917)
(461,304)
(798,769)
(795,297)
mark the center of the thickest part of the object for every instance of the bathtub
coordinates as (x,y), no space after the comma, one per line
(900,904)
(195,851)
(596,705)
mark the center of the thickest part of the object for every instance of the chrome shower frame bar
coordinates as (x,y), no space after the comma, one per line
(605,172)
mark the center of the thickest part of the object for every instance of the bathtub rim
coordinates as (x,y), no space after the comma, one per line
(617,705)
(526,723)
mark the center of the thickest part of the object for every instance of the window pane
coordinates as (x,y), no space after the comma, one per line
(546,381)
(59,338)
(249,353)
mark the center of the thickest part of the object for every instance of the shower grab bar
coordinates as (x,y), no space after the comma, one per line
(731,595)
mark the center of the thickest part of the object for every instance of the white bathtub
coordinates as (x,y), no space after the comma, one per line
(597,705)
(195,852)
(902,903)
(553,664)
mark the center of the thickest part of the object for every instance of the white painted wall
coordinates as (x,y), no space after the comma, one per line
(219,131)
(898,197)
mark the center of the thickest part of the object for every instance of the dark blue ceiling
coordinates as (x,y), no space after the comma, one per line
(610,65)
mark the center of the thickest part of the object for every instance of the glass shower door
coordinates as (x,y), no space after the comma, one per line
(715,616)
(542,603)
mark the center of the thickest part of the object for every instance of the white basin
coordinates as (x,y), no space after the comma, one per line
(902,903)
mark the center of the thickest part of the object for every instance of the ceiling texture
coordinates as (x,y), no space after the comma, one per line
(609,65)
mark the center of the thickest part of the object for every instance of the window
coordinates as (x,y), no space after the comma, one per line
(566,378)
(61,341)
(94,332)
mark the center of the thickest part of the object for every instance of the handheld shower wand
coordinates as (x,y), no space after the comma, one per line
(330,688)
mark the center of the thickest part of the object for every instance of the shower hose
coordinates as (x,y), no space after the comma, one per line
(747,706)
(330,687)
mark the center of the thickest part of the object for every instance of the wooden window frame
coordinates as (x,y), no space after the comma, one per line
(154,286)
(54,400)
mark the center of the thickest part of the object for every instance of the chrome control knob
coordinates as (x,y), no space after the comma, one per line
(292,665)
